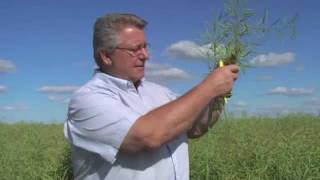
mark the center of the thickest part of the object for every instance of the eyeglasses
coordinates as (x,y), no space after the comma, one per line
(135,51)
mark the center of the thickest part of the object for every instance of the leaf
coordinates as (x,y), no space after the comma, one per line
(292,24)
(265,16)
(249,13)
(239,32)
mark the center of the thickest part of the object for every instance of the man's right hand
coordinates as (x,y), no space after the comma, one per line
(222,79)
(161,125)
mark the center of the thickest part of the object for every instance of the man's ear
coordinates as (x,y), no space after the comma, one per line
(105,59)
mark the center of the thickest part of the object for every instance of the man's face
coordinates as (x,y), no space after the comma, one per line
(129,57)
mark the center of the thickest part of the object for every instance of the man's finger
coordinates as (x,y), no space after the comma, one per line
(235,70)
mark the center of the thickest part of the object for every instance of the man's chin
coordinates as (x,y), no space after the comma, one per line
(140,75)
(138,79)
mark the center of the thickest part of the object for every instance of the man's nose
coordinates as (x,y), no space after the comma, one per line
(144,54)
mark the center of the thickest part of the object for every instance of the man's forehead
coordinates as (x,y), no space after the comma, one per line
(131,35)
(128,29)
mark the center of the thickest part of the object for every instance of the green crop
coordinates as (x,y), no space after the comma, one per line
(238,30)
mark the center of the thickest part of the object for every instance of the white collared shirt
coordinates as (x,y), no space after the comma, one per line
(100,115)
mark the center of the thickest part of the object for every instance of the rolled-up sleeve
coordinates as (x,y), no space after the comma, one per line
(99,123)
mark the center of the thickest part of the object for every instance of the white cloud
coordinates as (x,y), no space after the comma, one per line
(2,88)
(315,102)
(163,73)
(13,107)
(188,50)
(6,66)
(273,110)
(272,59)
(240,104)
(57,89)
(299,68)
(59,99)
(291,91)
(240,108)
(312,106)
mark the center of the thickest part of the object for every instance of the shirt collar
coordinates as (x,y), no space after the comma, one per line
(115,81)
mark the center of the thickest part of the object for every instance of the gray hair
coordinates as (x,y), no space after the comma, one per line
(106,29)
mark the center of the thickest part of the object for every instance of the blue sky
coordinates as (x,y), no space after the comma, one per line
(46,53)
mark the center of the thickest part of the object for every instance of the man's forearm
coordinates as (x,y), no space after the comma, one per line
(200,125)
(170,120)
(207,118)
(165,123)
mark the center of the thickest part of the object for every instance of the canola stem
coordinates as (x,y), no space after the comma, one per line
(221,64)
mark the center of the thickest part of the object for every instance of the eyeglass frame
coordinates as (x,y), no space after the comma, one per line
(135,51)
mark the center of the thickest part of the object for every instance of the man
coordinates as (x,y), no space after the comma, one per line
(121,126)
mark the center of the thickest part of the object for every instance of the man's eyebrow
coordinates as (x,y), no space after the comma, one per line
(136,46)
